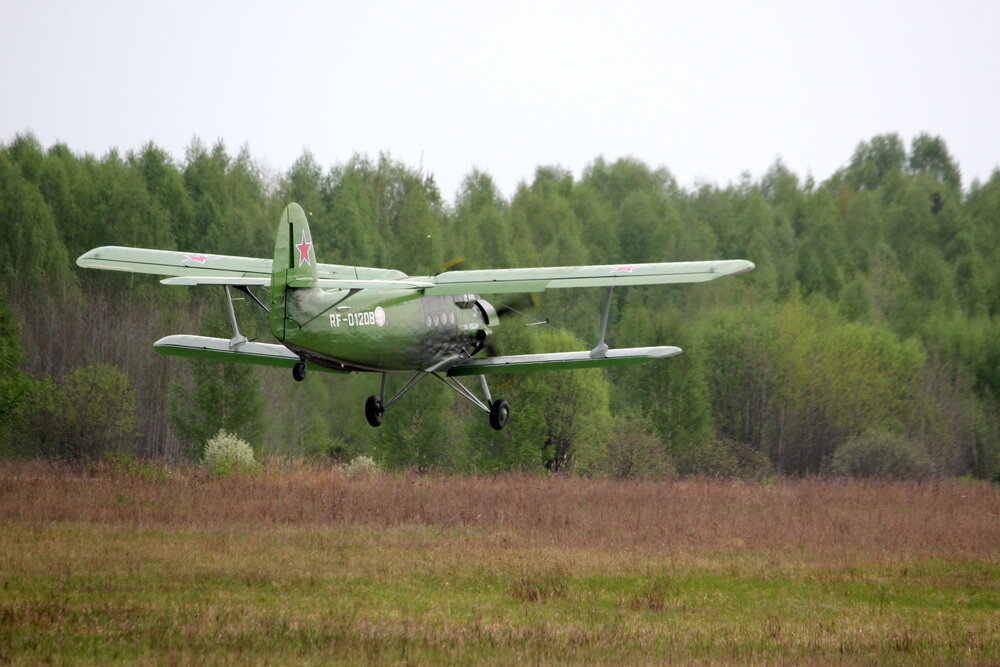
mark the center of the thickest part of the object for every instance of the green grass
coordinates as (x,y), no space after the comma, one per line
(307,566)
(99,593)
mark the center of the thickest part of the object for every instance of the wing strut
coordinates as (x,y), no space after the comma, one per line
(601,350)
(238,338)
(246,290)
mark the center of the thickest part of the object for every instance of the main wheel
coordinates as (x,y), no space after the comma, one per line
(374,412)
(299,371)
(499,413)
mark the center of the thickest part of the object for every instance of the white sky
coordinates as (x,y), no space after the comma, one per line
(706,89)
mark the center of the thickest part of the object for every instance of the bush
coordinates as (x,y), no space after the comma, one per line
(883,455)
(127,464)
(87,415)
(362,466)
(226,453)
(635,452)
(333,449)
(720,457)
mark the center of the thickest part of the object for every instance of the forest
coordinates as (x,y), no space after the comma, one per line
(866,343)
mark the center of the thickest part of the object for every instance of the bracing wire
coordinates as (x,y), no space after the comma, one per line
(545,323)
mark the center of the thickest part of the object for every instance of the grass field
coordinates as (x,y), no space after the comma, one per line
(305,565)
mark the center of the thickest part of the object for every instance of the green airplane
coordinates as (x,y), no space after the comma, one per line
(343,319)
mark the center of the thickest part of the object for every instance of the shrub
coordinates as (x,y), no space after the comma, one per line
(635,452)
(226,453)
(883,455)
(333,449)
(88,414)
(362,466)
(127,464)
(721,457)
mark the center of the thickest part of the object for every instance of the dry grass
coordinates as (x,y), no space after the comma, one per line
(302,564)
(821,518)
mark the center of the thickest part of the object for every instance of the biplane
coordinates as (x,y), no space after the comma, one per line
(343,319)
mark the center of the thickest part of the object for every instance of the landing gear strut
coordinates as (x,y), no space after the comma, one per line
(498,410)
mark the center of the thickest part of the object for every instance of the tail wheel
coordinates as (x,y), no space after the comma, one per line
(499,414)
(299,371)
(374,411)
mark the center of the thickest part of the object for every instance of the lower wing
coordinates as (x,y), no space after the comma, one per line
(220,349)
(553,361)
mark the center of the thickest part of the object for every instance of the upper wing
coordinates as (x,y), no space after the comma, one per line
(604,275)
(189,267)
(173,263)
(190,264)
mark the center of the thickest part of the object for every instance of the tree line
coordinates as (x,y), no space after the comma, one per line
(866,342)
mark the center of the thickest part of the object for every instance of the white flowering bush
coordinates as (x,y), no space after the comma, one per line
(362,466)
(226,453)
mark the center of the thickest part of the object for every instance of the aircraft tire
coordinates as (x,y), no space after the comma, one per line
(374,412)
(499,414)
(299,371)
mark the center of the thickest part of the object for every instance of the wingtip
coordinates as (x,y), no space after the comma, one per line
(84,259)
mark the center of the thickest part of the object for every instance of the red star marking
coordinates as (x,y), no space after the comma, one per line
(304,247)
(623,269)
(201,259)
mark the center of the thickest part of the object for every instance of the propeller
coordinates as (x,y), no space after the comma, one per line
(452,263)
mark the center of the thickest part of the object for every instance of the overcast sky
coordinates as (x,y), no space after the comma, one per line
(707,89)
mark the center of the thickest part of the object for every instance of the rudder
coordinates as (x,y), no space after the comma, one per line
(294,260)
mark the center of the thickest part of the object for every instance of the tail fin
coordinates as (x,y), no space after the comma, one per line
(294,260)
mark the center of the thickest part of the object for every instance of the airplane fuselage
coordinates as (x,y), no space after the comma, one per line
(383,330)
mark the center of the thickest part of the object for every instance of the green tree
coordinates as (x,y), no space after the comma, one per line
(884,455)
(930,155)
(876,161)
(564,415)
(478,224)
(224,396)
(15,386)
(31,250)
(634,451)
(87,414)
(165,184)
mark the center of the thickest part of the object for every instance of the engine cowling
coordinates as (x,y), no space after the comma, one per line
(489,313)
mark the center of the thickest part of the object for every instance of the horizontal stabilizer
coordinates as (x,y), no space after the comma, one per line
(500,281)
(556,361)
(218,349)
